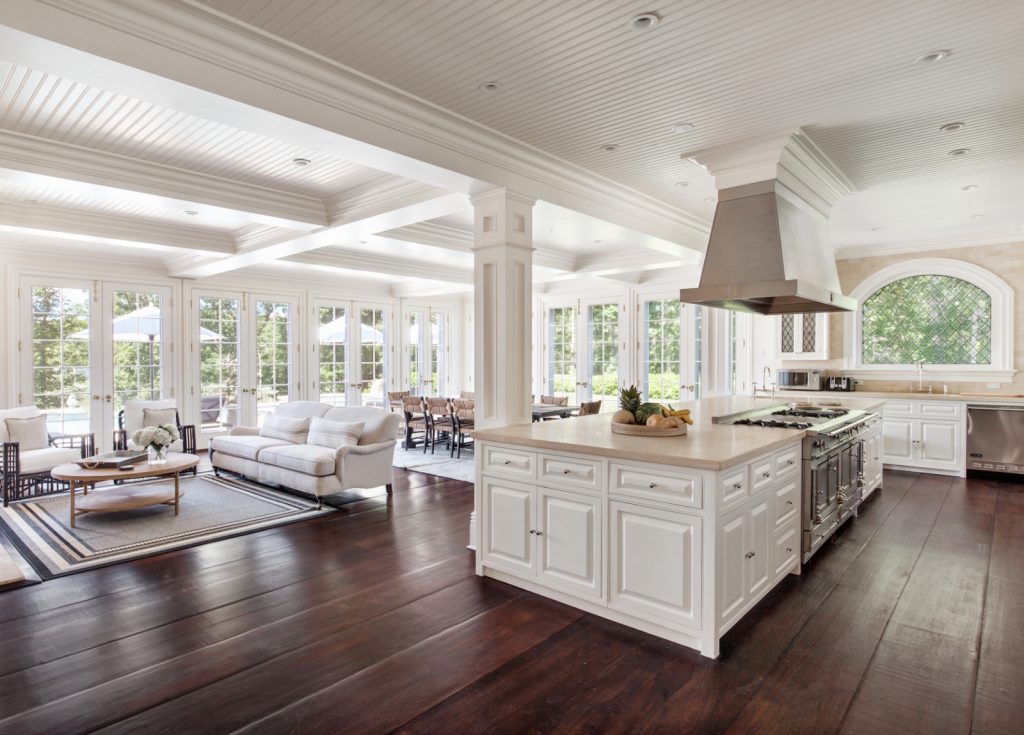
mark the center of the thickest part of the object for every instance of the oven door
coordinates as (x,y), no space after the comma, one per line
(823,489)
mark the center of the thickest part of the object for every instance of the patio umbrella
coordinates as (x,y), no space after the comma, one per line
(144,325)
(337,330)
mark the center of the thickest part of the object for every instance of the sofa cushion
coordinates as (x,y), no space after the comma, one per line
(30,433)
(291,430)
(375,421)
(41,460)
(334,434)
(301,409)
(22,412)
(308,459)
(159,416)
(246,447)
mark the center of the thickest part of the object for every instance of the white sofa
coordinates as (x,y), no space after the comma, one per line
(308,468)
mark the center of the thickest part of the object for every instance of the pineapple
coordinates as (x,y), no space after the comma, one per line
(629,399)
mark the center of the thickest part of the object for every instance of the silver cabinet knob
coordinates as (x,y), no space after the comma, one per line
(737,485)
(789,549)
(766,475)
(789,502)
(565,472)
(532,531)
(508,461)
(790,461)
(539,533)
(652,485)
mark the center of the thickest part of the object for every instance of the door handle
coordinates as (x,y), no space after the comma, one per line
(109,398)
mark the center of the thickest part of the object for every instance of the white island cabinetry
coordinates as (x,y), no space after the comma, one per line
(681,552)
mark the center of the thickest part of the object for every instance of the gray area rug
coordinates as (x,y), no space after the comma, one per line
(211,508)
(438,463)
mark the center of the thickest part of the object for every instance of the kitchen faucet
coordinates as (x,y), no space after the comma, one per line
(920,377)
(765,375)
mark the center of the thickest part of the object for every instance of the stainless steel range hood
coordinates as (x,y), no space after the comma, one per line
(769,250)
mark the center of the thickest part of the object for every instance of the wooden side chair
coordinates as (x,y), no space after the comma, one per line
(462,411)
(589,408)
(416,422)
(439,421)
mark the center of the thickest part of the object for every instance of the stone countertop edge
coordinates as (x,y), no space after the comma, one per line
(1011,400)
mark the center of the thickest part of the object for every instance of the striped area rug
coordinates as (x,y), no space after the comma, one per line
(211,508)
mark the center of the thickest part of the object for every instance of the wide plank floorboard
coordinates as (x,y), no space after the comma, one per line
(372,620)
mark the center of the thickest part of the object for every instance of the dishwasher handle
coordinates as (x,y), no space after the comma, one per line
(971,407)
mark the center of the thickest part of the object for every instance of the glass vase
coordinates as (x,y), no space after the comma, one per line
(157,455)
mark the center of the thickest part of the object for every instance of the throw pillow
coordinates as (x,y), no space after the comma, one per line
(159,416)
(29,433)
(334,434)
(285,428)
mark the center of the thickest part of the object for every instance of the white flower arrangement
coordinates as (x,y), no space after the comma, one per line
(157,437)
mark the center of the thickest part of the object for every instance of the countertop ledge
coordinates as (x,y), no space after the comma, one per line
(706,446)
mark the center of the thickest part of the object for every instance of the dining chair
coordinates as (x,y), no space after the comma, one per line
(462,412)
(414,411)
(589,408)
(439,421)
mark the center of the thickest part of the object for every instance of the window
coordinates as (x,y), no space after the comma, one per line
(661,350)
(938,320)
(954,317)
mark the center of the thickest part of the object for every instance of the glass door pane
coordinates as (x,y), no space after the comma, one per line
(372,356)
(138,334)
(602,380)
(661,359)
(438,353)
(61,375)
(332,335)
(415,379)
(219,330)
(698,352)
(274,356)
(561,348)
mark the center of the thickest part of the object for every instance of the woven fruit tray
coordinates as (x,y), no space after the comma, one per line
(635,430)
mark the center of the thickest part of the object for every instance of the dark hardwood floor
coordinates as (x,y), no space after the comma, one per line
(371,620)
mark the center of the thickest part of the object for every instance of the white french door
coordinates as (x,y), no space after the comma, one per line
(353,353)
(673,350)
(89,346)
(583,351)
(243,356)
(427,352)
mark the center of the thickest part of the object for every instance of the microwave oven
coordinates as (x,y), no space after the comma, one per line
(798,380)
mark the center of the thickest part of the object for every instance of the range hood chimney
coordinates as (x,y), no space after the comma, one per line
(769,250)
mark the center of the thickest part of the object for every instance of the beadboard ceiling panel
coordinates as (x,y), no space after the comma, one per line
(50,107)
(575,77)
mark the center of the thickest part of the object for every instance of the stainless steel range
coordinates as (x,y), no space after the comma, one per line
(833,462)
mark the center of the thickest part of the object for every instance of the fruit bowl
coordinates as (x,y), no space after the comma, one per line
(637,430)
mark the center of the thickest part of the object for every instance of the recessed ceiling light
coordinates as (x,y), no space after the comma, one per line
(969,187)
(644,21)
(598,242)
(682,184)
(301,162)
(933,56)
(362,242)
(609,147)
(977,216)
(682,127)
(956,152)
(490,87)
(950,127)
(191,212)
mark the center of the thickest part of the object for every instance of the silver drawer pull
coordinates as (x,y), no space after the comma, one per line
(737,485)
(789,502)
(565,472)
(652,485)
(766,475)
(789,549)
(508,461)
(539,533)
(790,461)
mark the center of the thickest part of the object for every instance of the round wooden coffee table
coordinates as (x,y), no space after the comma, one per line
(124,497)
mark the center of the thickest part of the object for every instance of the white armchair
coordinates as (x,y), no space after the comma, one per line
(28,452)
(133,417)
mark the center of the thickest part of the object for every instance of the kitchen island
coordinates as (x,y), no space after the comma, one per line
(677,536)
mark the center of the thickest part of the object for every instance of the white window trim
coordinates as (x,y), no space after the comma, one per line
(1000,370)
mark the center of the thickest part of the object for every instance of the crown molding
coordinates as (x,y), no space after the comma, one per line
(124,230)
(377,198)
(194,46)
(338,258)
(854,252)
(28,154)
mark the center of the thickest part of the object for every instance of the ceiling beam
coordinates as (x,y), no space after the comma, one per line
(359,226)
(28,159)
(345,259)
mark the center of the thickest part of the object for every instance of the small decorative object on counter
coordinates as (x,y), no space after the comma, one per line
(156,439)
(635,418)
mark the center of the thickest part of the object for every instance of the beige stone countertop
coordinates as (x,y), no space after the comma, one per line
(706,445)
(1010,399)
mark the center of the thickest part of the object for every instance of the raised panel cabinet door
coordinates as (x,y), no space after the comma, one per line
(508,522)
(898,440)
(940,444)
(786,552)
(759,530)
(655,558)
(570,541)
(732,585)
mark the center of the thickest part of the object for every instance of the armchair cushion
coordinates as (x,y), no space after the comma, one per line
(134,413)
(308,459)
(22,412)
(334,434)
(30,433)
(41,460)
(245,447)
(159,416)
(293,430)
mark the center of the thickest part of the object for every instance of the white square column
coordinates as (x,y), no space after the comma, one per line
(503,307)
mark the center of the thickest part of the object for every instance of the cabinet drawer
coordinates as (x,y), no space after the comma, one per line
(575,472)
(787,501)
(787,461)
(509,462)
(669,486)
(761,473)
(941,409)
(898,408)
(734,486)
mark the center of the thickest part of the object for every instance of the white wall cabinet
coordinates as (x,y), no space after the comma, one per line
(927,435)
(802,336)
(679,552)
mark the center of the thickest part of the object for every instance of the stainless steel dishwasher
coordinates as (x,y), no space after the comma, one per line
(995,438)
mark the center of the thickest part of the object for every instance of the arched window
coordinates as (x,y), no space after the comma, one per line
(954,317)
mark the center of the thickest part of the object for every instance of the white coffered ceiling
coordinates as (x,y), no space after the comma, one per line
(118,116)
